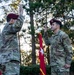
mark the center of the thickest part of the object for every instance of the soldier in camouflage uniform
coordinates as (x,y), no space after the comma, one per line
(10,53)
(60,49)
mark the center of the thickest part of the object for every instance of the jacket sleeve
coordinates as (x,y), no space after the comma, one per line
(67,48)
(16,26)
(0,41)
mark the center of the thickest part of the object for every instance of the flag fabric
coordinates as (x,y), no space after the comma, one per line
(41,57)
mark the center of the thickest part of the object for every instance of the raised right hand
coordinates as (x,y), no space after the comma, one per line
(20,9)
(45,28)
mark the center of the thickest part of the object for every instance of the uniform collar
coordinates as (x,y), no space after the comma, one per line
(57,33)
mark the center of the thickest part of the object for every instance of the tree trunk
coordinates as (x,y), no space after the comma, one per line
(33,36)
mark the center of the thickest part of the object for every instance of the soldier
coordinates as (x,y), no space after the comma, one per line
(10,53)
(60,49)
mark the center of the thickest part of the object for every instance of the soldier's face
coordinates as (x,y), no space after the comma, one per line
(12,21)
(54,26)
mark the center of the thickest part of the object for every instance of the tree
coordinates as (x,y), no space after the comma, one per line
(32,8)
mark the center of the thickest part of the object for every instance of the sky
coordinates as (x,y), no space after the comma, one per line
(1,13)
(5,4)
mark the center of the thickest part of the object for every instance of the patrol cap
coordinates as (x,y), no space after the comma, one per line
(12,16)
(55,20)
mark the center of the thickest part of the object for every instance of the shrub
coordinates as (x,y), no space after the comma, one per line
(34,69)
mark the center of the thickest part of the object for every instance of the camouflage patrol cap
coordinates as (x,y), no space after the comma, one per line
(12,16)
(55,20)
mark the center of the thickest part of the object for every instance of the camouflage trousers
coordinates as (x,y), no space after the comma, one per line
(55,71)
(11,68)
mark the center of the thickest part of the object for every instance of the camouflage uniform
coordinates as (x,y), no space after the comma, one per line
(60,52)
(10,53)
(0,40)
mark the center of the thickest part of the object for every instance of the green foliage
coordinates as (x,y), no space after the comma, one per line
(34,69)
(67,29)
(36,5)
(62,6)
(29,70)
(72,66)
(71,35)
